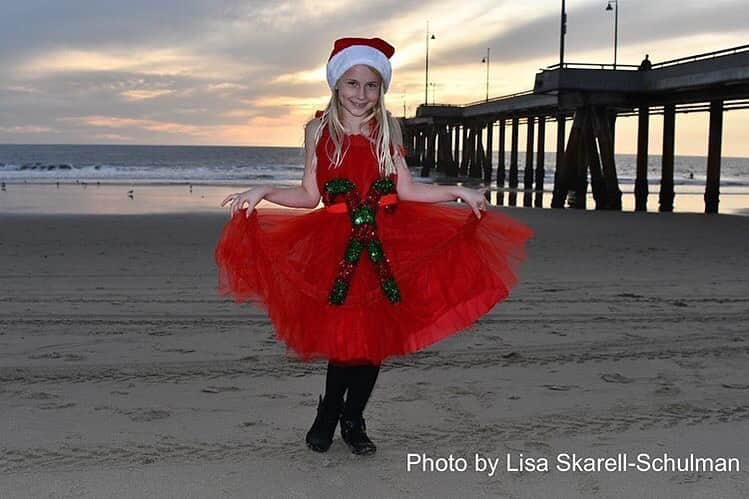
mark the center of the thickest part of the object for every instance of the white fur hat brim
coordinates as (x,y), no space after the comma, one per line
(358,54)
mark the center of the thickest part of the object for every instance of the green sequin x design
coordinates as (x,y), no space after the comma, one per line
(362,213)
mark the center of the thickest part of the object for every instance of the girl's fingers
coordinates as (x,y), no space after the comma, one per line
(238,205)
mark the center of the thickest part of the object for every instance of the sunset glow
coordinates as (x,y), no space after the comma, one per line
(245,75)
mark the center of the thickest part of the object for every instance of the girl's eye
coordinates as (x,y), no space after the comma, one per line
(352,83)
(372,85)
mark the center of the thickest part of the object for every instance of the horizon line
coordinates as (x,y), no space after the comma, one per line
(301,147)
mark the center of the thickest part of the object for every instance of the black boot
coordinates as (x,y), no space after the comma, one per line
(354,433)
(353,427)
(320,436)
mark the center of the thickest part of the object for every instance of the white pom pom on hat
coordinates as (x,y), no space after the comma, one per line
(348,52)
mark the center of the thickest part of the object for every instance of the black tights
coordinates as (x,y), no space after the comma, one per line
(358,380)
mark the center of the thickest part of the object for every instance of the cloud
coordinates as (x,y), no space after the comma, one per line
(113,137)
(182,70)
(589,27)
(145,124)
(33,26)
(133,95)
(26,129)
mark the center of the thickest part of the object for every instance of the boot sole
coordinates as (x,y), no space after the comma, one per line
(318,448)
(361,452)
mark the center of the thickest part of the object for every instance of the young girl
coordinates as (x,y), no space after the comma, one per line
(380,270)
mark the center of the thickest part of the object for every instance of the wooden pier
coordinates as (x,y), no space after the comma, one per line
(458,140)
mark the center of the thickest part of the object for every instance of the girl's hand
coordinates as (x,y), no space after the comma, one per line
(475,199)
(251,196)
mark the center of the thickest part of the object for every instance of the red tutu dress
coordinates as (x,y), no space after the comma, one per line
(392,279)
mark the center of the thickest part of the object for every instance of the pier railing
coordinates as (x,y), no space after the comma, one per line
(699,57)
(483,101)
(659,65)
(591,65)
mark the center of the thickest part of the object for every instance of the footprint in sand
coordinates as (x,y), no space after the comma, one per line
(616,378)
(40,396)
(273,396)
(687,478)
(735,386)
(53,405)
(629,295)
(560,388)
(159,333)
(176,350)
(219,389)
(144,415)
(537,445)
(690,364)
(68,357)
(667,390)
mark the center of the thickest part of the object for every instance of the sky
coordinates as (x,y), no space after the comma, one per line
(224,72)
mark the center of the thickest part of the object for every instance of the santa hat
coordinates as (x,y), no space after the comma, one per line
(348,52)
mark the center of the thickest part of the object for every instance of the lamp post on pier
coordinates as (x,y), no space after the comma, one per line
(426,66)
(616,24)
(562,32)
(486,60)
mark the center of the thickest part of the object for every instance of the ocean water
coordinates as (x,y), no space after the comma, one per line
(235,167)
(243,165)
(149,164)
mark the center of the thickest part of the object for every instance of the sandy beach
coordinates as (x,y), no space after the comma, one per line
(124,374)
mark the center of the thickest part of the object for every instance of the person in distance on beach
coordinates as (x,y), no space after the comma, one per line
(383,268)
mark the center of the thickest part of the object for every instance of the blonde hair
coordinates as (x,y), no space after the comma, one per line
(388,134)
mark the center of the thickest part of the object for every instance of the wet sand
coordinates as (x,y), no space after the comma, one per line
(124,374)
(117,198)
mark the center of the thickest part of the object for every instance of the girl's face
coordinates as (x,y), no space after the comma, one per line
(359,90)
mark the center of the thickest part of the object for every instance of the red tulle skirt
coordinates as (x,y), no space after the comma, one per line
(450,267)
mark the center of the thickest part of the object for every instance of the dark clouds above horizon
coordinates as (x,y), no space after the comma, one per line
(192,71)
